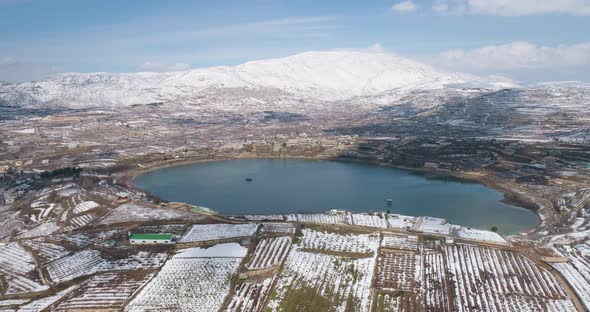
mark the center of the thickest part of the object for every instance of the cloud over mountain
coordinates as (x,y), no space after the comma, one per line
(518,58)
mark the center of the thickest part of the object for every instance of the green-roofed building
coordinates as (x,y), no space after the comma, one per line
(151,239)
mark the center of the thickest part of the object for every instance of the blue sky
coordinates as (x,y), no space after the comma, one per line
(528,40)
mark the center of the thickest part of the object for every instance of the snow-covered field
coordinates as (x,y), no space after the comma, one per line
(187,284)
(370,220)
(277,228)
(314,282)
(44,303)
(104,291)
(140,260)
(577,273)
(84,206)
(332,242)
(478,235)
(496,280)
(321,218)
(401,222)
(433,289)
(434,226)
(46,252)
(17,270)
(80,221)
(398,271)
(87,262)
(81,263)
(264,217)
(250,296)
(269,252)
(214,232)
(82,240)
(134,213)
(42,229)
(400,242)
(411,276)
(10,225)
(317,269)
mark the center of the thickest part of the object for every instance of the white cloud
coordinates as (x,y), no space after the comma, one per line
(376,48)
(513,7)
(161,67)
(405,6)
(519,55)
(5,61)
(523,60)
(440,6)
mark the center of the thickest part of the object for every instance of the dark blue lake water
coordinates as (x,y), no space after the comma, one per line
(288,186)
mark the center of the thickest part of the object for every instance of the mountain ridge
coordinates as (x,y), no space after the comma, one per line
(320,75)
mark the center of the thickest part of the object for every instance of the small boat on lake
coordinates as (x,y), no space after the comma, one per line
(248,179)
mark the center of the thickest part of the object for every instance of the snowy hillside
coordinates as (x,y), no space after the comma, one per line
(327,76)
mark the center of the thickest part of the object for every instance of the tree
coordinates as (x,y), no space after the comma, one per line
(494,229)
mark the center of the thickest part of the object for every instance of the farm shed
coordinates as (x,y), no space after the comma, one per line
(151,239)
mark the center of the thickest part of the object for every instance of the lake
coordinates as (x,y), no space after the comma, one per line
(281,186)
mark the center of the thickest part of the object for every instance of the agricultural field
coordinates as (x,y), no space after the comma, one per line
(320,282)
(327,242)
(277,228)
(469,234)
(398,271)
(83,240)
(434,226)
(370,220)
(89,261)
(320,274)
(434,290)
(577,272)
(9,225)
(489,279)
(45,251)
(264,217)
(140,260)
(109,291)
(399,242)
(328,263)
(269,253)
(216,232)
(410,276)
(79,264)
(395,221)
(84,206)
(80,221)
(320,218)
(11,304)
(18,272)
(42,229)
(135,213)
(45,303)
(399,302)
(250,296)
(187,284)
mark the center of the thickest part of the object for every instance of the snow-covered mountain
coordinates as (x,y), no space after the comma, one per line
(324,76)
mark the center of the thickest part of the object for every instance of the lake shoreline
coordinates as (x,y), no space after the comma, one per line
(510,197)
